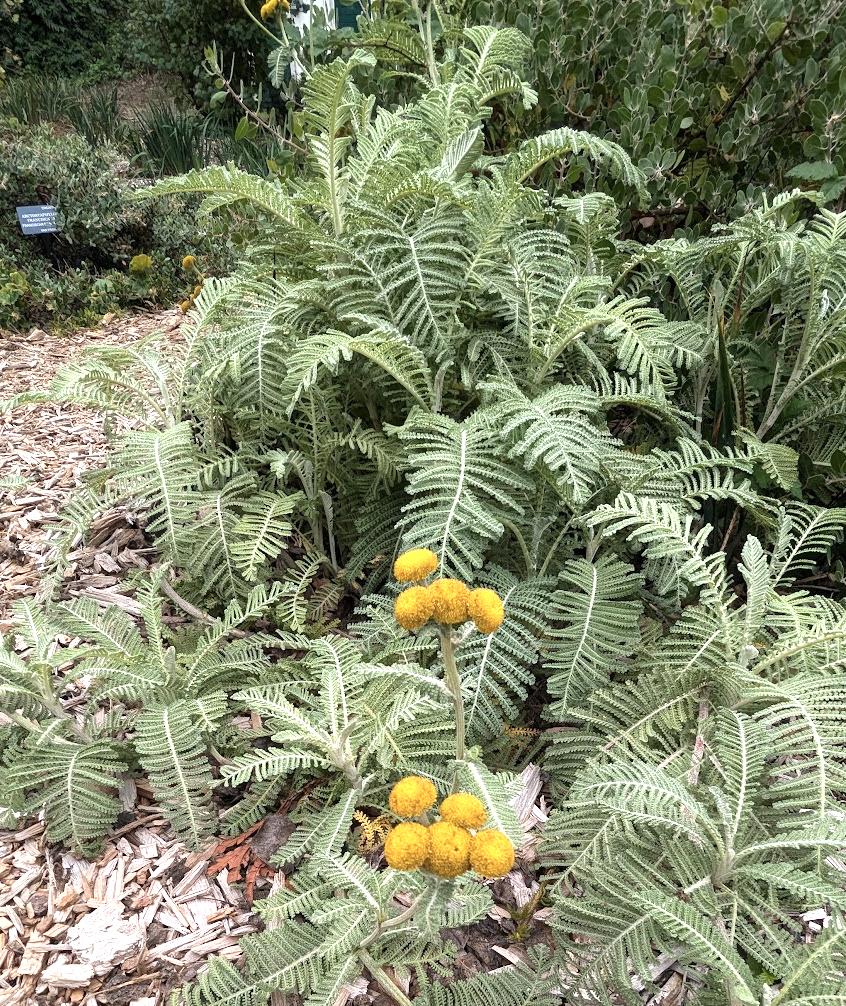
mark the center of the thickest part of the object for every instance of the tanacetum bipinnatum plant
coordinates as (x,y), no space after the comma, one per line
(604,479)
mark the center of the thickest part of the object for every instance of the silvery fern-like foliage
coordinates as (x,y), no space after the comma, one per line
(718,872)
(325,930)
(423,347)
(345,716)
(781,367)
(725,732)
(70,762)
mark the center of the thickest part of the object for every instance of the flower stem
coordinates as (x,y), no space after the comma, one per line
(396,920)
(382,979)
(453,683)
(263,27)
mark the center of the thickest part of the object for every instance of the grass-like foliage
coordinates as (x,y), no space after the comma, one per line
(640,449)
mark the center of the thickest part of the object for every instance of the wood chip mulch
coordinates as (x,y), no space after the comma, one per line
(142,919)
(52,446)
(123,930)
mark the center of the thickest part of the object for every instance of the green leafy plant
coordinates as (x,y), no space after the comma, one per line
(425,347)
(66,37)
(728,102)
(82,271)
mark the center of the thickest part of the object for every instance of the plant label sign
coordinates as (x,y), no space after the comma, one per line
(37,219)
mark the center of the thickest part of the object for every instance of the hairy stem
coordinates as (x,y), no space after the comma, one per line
(396,920)
(385,983)
(453,683)
(426,32)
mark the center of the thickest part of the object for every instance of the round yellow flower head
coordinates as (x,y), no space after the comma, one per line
(140,264)
(407,846)
(413,608)
(185,306)
(198,289)
(485,608)
(449,849)
(268,9)
(463,810)
(411,796)
(491,853)
(450,601)
(416,565)
(188,262)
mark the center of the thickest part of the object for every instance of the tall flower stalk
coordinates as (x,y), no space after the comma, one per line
(448,603)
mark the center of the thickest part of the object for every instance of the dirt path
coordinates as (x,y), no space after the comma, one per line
(52,446)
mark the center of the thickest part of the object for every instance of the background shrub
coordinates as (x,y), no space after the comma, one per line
(66,37)
(172,35)
(82,271)
(715,102)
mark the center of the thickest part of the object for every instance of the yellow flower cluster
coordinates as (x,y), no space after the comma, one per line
(189,263)
(269,9)
(449,602)
(448,847)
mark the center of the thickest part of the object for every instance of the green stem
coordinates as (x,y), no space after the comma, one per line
(426,32)
(261,25)
(453,683)
(521,541)
(22,721)
(382,979)
(396,920)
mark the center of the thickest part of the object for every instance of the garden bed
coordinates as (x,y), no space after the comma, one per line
(52,446)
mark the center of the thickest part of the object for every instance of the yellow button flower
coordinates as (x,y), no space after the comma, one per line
(411,796)
(463,810)
(491,853)
(449,850)
(407,846)
(140,264)
(485,608)
(413,608)
(188,262)
(185,306)
(268,9)
(416,565)
(450,601)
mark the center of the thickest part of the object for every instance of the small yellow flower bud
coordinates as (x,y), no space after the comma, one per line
(185,306)
(412,795)
(491,853)
(485,608)
(413,608)
(463,810)
(449,850)
(188,262)
(140,264)
(407,846)
(416,565)
(450,601)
